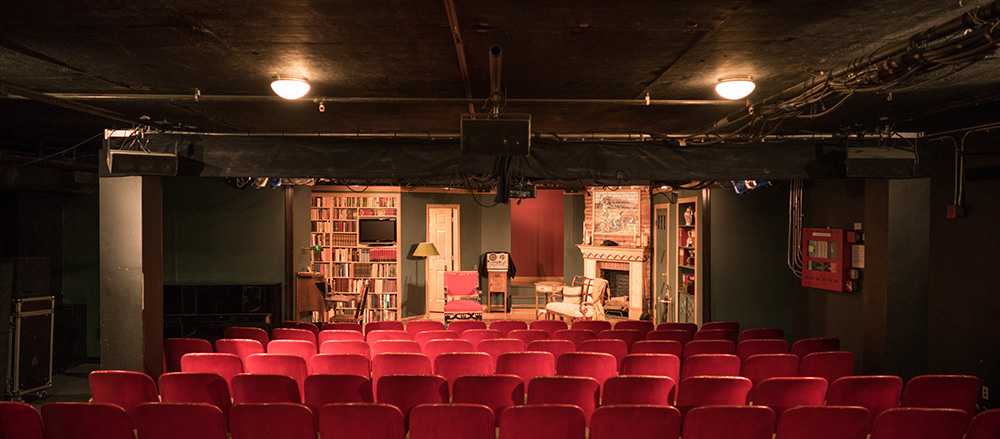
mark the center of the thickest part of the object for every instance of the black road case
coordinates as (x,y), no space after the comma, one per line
(31,346)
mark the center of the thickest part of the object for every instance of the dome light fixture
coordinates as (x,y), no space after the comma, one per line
(290,87)
(735,87)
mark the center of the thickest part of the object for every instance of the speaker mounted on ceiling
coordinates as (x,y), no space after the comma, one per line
(881,162)
(133,156)
(141,163)
(509,136)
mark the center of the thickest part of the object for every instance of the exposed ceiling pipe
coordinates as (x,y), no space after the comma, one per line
(561,137)
(373,100)
(795,209)
(67,104)
(968,20)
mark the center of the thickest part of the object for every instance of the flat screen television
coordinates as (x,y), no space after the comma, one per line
(376,231)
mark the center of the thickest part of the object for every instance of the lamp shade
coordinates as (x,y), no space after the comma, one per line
(425,249)
(290,87)
(736,87)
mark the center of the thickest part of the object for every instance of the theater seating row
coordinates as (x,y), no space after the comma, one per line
(475,421)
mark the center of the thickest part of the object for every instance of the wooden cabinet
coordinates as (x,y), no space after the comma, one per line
(354,239)
(688,270)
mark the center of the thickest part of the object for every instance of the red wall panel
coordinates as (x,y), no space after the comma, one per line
(536,234)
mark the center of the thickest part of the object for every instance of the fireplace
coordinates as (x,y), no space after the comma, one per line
(628,268)
(616,299)
(617,282)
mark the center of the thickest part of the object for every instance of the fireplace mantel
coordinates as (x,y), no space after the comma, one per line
(638,263)
(615,253)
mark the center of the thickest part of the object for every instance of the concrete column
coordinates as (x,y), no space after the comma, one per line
(131,230)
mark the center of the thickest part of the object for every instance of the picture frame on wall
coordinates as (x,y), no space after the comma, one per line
(617,213)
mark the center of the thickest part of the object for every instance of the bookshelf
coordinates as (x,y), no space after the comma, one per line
(347,254)
(687,264)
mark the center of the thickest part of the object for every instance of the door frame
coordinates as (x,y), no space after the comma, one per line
(670,311)
(455,240)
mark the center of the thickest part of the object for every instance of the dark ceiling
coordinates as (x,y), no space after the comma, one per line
(412,68)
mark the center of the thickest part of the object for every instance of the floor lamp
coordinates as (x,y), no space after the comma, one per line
(424,250)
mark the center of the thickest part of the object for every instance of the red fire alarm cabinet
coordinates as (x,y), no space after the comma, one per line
(826,260)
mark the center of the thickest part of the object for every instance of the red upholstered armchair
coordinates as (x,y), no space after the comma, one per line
(462,296)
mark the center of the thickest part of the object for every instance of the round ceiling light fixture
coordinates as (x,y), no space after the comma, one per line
(290,87)
(735,87)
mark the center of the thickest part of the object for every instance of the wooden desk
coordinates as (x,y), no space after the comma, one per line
(308,296)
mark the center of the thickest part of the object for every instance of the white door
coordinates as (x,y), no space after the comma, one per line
(442,231)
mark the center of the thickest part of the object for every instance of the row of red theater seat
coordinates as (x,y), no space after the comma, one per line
(829,365)
(876,393)
(526,364)
(174,348)
(708,331)
(473,421)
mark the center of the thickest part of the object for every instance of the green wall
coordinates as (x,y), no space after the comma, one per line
(751,283)
(835,204)
(963,327)
(574,206)
(217,234)
(80,272)
(477,224)
(885,323)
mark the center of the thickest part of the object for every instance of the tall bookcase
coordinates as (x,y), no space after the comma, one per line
(345,262)
(688,269)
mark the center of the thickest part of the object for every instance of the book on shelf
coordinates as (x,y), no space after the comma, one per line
(344,240)
(320,239)
(343,226)
(321,227)
(320,215)
(383,254)
(362,270)
(375,315)
(384,270)
(346,201)
(383,286)
(343,214)
(376,212)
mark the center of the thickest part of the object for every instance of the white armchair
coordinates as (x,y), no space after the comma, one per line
(582,300)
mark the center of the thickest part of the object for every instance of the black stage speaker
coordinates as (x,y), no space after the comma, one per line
(496,137)
(878,162)
(141,163)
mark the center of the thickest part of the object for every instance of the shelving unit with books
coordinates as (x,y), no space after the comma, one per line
(354,239)
(687,267)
